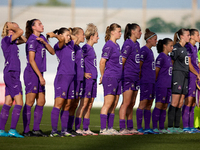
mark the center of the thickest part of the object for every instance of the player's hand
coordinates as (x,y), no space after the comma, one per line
(198,77)
(50,34)
(100,81)
(87,75)
(42,81)
(41,40)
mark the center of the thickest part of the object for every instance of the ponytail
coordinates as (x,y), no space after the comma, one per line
(107,37)
(5,31)
(129,27)
(59,31)
(29,29)
(160,44)
(110,28)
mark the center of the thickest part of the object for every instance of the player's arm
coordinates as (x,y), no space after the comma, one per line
(123,61)
(157,72)
(191,68)
(21,40)
(35,67)
(60,38)
(17,31)
(141,63)
(102,65)
(47,45)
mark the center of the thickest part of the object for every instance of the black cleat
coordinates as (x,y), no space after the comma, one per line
(29,134)
(74,133)
(39,133)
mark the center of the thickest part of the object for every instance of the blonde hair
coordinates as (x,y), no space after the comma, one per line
(5,31)
(75,30)
(90,31)
(110,28)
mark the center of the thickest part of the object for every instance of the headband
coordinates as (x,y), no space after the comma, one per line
(150,36)
(177,36)
(33,22)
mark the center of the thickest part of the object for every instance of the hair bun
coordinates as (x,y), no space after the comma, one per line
(147,30)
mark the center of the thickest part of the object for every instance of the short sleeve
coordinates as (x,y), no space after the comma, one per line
(143,55)
(159,62)
(32,45)
(106,52)
(84,49)
(189,50)
(174,54)
(44,39)
(126,51)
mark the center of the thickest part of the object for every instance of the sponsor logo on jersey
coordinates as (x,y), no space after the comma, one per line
(125,51)
(174,49)
(105,54)
(175,83)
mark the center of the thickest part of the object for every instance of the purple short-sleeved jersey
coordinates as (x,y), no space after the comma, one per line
(148,74)
(164,78)
(112,53)
(90,61)
(10,52)
(79,63)
(192,53)
(66,58)
(131,51)
(40,52)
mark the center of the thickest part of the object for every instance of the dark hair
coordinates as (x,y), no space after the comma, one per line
(160,44)
(110,28)
(192,31)
(29,29)
(148,34)
(128,29)
(178,34)
(59,31)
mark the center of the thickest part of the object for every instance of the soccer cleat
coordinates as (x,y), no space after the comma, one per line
(157,131)
(179,130)
(150,131)
(80,132)
(171,130)
(164,131)
(55,134)
(3,133)
(194,130)
(67,134)
(125,132)
(89,132)
(14,133)
(104,132)
(114,132)
(141,131)
(39,133)
(187,130)
(133,131)
(74,132)
(29,134)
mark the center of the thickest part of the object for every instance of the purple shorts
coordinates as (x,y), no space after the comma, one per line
(32,82)
(163,94)
(111,86)
(89,88)
(147,91)
(191,87)
(131,85)
(64,86)
(13,84)
(78,86)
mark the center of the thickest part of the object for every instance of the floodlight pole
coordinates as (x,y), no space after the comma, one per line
(73,13)
(144,9)
(10,10)
(105,15)
(194,8)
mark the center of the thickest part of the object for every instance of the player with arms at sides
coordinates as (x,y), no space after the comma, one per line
(163,84)
(12,35)
(130,77)
(147,82)
(111,76)
(78,80)
(179,79)
(190,101)
(90,81)
(36,47)
(64,80)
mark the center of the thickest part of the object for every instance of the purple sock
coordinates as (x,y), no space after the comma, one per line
(108,115)
(129,124)
(15,116)
(185,117)
(70,122)
(162,119)
(147,118)
(26,117)
(86,123)
(191,122)
(64,116)
(38,112)
(103,119)
(4,116)
(155,117)
(139,115)
(183,109)
(122,124)
(111,121)
(54,118)
(77,123)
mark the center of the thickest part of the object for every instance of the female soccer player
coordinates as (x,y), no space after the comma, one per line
(12,36)
(190,102)
(64,80)
(33,75)
(111,74)
(147,82)
(90,81)
(131,62)
(163,84)
(179,79)
(78,80)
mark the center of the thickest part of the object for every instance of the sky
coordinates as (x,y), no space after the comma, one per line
(182,4)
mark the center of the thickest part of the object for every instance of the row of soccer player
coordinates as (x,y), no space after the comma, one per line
(77,74)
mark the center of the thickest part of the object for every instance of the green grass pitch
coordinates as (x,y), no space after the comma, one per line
(134,142)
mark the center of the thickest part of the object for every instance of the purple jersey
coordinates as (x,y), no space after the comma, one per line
(164,78)
(148,74)
(40,52)
(79,63)
(66,58)
(90,61)
(112,53)
(131,51)
(192,53)
(10,52)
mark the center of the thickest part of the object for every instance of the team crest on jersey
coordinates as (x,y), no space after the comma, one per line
(125,52)
(179,87)
(35,88)
(105,54)
(63,94)
(132,85)
(114,90)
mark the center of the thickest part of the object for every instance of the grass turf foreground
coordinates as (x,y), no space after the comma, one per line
(100,142)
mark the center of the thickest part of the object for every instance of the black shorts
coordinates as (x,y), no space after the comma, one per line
(179,82)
